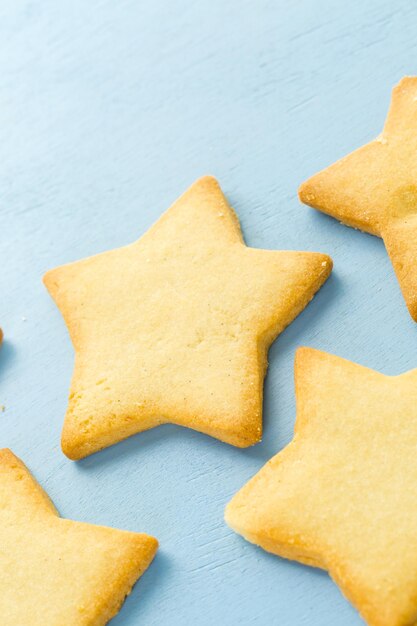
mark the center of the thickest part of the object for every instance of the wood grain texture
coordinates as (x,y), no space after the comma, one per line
(108,112)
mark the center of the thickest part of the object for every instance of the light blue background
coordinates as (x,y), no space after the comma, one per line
(108,111)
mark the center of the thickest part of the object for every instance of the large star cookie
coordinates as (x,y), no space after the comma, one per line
(176,327)
(375,188)
(55,572)
(342,495)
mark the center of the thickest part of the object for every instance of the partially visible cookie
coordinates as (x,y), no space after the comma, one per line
(176,327)
(375,189)
(55,572)
(342,495)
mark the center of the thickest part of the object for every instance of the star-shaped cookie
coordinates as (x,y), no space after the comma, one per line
(176,327)
(343,494)
(55,572)
(375,188)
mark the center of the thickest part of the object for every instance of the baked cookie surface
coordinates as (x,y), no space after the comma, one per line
(56,572)
(342,495)
(176,327)
(374,188)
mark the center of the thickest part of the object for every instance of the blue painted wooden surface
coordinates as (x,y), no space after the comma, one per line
(109,110)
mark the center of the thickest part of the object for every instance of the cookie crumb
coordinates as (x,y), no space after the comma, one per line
(381,139)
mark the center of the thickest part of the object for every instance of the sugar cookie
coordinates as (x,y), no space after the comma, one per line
(342,495)
(374,188)
(176,327)
(55,572)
